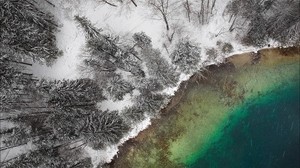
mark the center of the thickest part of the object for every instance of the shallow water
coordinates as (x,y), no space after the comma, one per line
(242,114)
(267,137)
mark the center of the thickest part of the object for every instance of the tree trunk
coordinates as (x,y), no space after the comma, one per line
(23,63)
(232,25)
(213,5)
(133,3)
(111,4)
(9,147)
(50,3)
(207,13)
(81,105)
(170,38)
(30,107)
(28,74)
(188,9)
(21,102)
(166,22)
(27,115)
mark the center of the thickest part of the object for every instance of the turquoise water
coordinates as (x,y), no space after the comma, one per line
(267,137)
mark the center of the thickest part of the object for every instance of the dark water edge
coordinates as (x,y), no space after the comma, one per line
(268,137)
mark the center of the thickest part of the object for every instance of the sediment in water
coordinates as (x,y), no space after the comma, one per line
(206,104)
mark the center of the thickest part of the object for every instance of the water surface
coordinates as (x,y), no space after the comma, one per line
(267,137)
(243,113)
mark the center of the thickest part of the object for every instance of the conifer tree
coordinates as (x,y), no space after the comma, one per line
(106,54)
(118,87)
(186,56)
(104,128)
(28,31)
(71,93)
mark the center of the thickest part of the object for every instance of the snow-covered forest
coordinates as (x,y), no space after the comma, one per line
(78,78)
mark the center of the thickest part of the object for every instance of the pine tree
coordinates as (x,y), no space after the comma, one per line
(186,56)
(90,30)
(284,25)
(26,30)
(130,62)
(105,52)
(142,40)
(48,158)
(13,81)
(150,102)
(159,68)
(277,20)
(103,128)
(71,93)
(150,84)
(117,87)
(257,33)
(133,114)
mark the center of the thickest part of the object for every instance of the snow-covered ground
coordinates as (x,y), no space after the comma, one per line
(70,40)
(125,21)
(116,105)
(16,151)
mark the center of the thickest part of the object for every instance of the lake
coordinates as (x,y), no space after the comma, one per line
(242,113)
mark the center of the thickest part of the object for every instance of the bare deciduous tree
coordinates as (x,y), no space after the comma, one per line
(114,2)
(284,25)
(163,9)
(204,12)
(109,3)
(276,19)
(187,6)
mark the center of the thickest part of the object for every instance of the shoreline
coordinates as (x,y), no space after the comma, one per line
(232,62)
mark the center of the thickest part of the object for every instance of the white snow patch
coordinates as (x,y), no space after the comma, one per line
(16,151)
(170,91)
(6,124)
(70,40)
(124,22)
(116,105)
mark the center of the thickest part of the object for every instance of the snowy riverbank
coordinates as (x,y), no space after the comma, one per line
(124,20)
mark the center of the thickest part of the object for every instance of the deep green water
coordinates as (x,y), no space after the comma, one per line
(266,137)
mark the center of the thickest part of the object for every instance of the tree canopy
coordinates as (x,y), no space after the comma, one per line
(28,31)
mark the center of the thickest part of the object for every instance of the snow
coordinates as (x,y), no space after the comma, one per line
(6,124)
(125,22)
(171,90)
(107,154)
(16,151)
(70,40)
(116,105)
(209,34)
